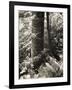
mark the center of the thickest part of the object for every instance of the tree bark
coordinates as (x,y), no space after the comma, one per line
(50,44)
(37,33)
(48,29)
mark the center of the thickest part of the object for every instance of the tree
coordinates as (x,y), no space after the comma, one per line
(55,31)
(37,37)
(37,33)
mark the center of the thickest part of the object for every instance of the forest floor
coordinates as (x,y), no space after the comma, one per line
(50,68)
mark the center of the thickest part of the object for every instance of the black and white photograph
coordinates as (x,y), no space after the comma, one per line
(40,44)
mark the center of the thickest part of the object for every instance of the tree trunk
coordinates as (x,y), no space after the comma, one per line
(50,44)
(48,29)
(37,33)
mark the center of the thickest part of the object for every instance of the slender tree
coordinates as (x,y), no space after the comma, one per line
(48,29)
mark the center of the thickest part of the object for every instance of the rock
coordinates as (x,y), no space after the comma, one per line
(54,63)
(27,76)
(50,67)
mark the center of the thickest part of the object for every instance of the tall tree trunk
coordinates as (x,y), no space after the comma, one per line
(48,29)
(37,33)
(50,44)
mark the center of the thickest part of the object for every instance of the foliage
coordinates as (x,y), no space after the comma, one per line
(56,31)
(45,64)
